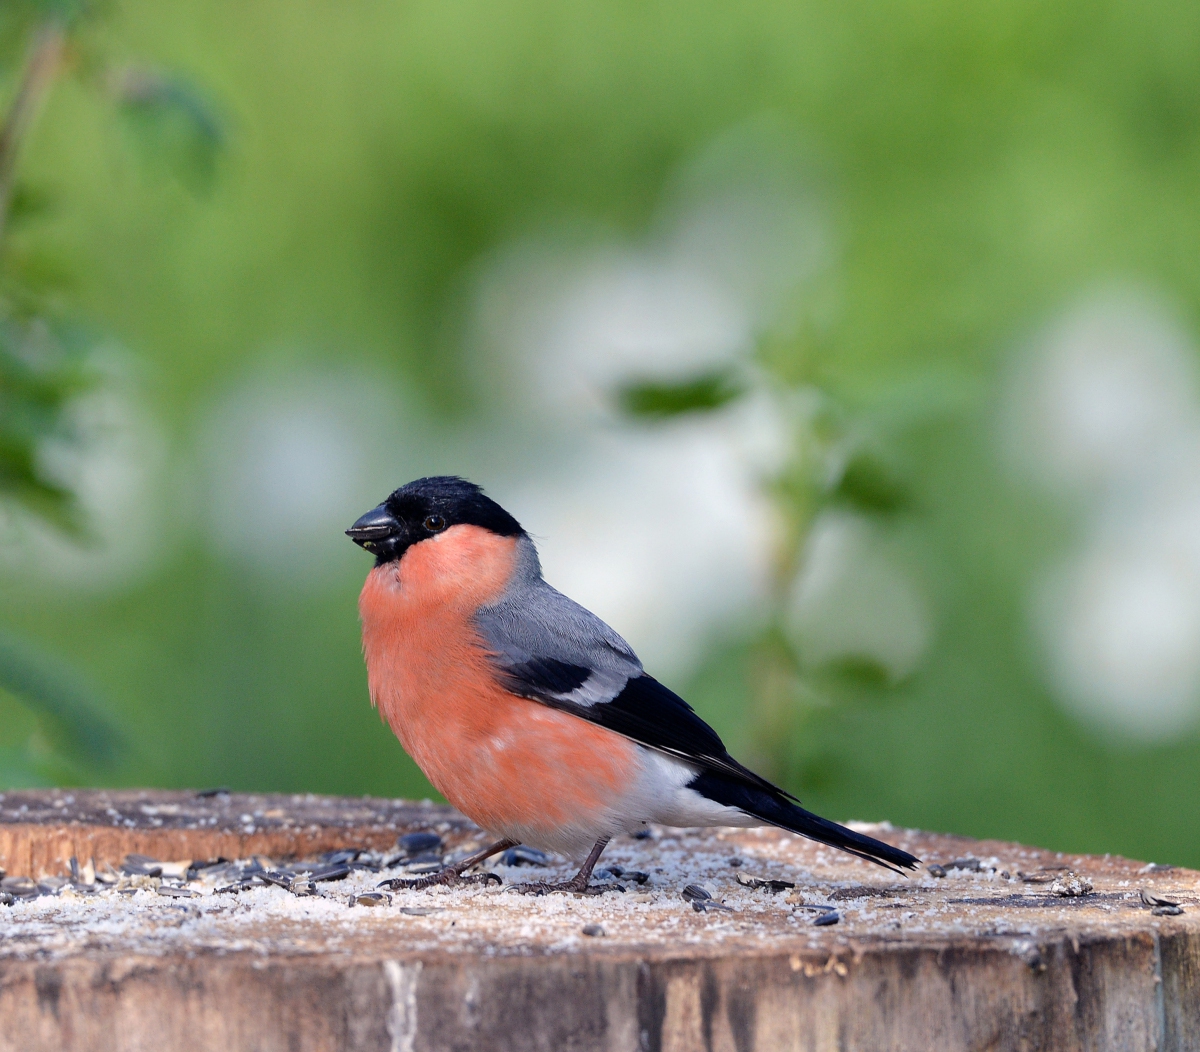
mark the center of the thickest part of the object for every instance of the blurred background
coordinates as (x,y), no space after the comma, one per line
(842,357)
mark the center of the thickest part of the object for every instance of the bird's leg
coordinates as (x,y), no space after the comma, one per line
(579,883)
(453,874)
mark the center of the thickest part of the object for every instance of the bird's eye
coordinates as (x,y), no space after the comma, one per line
(435,523)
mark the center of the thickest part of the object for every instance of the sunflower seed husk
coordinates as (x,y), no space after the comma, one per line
(702,900)
(341,856)
(141,866)
(769,884)
(418,843)
(523,856)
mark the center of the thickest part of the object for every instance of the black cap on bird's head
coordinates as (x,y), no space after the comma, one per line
(425,508)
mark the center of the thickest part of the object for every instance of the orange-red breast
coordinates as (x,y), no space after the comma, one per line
(526,711)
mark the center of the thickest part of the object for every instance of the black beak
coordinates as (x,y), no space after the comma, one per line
(377,525)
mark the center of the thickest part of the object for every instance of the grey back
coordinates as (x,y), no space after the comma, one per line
(533,621)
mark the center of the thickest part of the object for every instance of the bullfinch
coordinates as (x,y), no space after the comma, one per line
(526,711)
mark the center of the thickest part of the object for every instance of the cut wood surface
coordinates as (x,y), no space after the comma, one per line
(1012,948)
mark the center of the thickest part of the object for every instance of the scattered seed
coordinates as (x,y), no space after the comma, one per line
(418,911)
(828,917)
(935,870)
(206,794)
(757,883)
(523,856)
(216,873)
(86,874)
(1157,867)
(1162,907)
(702,900)
(302,888)
(371,898)
(736,861)
(141,866)
(19,888)
(424,859)
(338,872)
(633,876)
(594,930)
(418,843)
(341,856)
(241,885)
(280,880)
(171,892)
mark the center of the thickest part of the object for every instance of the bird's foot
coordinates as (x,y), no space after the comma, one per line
(449,877)
(577,887)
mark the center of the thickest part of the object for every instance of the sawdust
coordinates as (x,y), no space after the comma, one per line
(873,905)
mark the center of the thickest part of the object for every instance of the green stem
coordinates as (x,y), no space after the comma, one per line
(41,68)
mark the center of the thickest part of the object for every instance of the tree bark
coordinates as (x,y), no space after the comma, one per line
(994,955)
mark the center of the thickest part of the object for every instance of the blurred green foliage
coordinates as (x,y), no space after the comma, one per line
(44,349)
(987,162)
(653,400)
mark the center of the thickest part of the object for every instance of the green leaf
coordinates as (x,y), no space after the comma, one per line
(28,202)
(19,770)
(70,712)
(657,400)
(41,370)
(871,485)
(172,124)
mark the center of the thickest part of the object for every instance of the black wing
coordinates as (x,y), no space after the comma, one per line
(640,708)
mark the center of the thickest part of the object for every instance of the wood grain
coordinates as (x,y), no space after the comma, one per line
(977,960)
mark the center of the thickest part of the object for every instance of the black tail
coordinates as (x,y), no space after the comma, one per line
(781,812)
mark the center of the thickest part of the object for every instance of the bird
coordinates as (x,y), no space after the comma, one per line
(526,711)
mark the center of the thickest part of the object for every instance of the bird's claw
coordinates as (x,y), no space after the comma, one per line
(448,877)
(541,887)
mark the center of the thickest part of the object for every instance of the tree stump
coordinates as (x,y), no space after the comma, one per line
(723,939)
